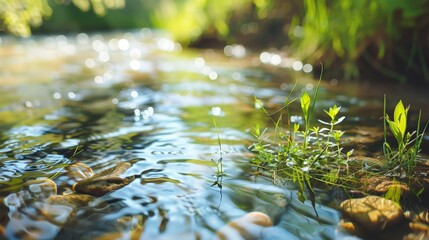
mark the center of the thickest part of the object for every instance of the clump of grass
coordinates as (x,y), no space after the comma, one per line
(304,153)
(401,161)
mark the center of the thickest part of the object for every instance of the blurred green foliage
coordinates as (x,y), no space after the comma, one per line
(18,16)
(347,36)
(188,20)
(345,30)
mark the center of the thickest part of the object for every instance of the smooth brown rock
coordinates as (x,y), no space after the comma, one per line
(79,171)
(372,212)
(72,200)
(417,236)
(382,184)
(105,181)
(419,225)
(41,188)
(99,187)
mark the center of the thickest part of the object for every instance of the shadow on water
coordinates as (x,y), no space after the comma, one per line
(140,98)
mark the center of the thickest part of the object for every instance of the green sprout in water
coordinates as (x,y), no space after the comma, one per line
(308,155)
(219,165)
(305,156)
(403,159)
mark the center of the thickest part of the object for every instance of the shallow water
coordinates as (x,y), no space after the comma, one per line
(139,97)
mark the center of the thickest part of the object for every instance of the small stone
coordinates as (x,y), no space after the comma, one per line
(72,200)
(382,184)
(41,188)
(99,187)
(105,181)
(423,217)
(372,212)
(419,227)
(79,171)
(417,236)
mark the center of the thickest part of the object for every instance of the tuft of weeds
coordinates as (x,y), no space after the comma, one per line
(303,153)
(401,161)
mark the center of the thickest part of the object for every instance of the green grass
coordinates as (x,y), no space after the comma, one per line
(343,32)
(306,154)
(301,152)
(401,160)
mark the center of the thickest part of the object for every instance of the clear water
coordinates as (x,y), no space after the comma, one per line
(140,98)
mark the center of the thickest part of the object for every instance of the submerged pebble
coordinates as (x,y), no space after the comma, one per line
(105,181)
(372,213)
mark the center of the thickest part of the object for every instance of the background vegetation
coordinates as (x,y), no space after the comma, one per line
(375,38)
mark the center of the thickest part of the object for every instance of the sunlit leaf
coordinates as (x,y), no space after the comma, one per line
(394,127)
(295,127)
(400,118)
(305,103)
(399,109)
(333,111)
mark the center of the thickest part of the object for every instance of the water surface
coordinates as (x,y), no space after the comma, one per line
(138,97)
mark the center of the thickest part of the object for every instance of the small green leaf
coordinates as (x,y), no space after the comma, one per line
(296,127)
(305,103)
(399,110)
(333,111)
(349,153)
(400,118)
(394,127)
(402,124)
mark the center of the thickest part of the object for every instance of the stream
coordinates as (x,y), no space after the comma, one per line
(173,113)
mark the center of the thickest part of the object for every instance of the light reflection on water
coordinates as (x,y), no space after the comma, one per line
(109,98)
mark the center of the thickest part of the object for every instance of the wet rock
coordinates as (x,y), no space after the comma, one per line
(72,200)
(105,181)
(41,188)
(132,227)
(363,140)
(79,172)
(37,212)
(99,187)
(419,225)
(33,190)
(381,184)
(417,236)
(2,231)
(250,226)
(37,221)
(371,213)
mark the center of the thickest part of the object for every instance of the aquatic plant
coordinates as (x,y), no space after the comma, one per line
(313,154)
(219,162)
(394,192)
(402,160)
